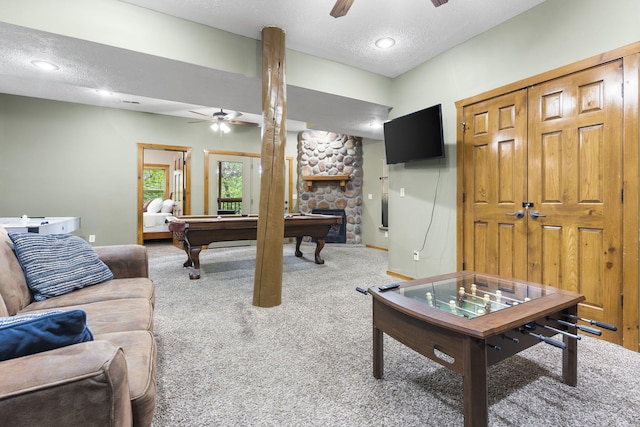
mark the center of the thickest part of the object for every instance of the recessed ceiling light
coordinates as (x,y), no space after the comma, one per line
(385,42)
(104,92)
(44,65)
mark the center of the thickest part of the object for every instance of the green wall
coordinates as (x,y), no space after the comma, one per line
(553,34)
(64,159)
(68,159)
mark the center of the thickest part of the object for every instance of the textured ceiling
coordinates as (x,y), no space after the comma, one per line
(421,30)
(147,83)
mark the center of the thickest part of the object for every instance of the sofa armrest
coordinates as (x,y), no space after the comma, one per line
(125,261)
(81,384)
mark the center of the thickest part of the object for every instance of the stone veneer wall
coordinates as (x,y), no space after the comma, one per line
(327,153)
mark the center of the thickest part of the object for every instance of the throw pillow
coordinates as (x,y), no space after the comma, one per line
(167,206)
(26,334)
(56,264)
(155,205)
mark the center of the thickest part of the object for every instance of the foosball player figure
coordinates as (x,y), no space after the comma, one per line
(487,303)
(430,299)
(452,306)
(461,293)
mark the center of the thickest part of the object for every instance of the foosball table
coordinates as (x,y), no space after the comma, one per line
(469,321)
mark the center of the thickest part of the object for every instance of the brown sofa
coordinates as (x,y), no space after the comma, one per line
(109,381)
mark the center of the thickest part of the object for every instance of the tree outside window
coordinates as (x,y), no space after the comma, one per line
(155,182)
(230,186)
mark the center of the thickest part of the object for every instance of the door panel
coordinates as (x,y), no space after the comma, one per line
(495,185)
(575,181)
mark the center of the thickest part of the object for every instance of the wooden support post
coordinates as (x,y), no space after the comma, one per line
(267,288)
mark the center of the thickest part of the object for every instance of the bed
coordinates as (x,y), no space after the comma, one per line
(154,216)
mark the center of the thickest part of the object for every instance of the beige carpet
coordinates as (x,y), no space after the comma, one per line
(307,362)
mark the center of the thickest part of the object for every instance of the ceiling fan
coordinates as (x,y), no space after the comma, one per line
(220,120)
(342,7)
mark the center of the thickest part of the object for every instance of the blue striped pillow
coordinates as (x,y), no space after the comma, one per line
(56,264)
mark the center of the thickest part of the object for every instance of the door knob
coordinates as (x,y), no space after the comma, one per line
(535,214)
(518,214)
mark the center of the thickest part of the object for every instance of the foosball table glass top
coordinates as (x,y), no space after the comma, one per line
(474,295)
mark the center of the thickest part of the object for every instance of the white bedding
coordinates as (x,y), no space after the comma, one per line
(155,221)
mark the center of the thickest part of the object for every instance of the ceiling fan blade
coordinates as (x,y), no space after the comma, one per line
(437,3)
(241,123)
(232,115)
(202,114)
(199,121)
(342,7)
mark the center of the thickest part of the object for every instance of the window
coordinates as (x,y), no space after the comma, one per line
(155,182)
(230,186)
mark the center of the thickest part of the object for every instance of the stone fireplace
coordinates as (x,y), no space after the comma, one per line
(330,177)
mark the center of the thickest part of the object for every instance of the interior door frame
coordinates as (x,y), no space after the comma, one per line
(630,56)
(208,153)
(187,179)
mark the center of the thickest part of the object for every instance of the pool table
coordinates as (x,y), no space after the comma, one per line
(193,232)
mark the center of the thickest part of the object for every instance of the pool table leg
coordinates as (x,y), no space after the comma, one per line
(319,246)
(298,251)
(194,260)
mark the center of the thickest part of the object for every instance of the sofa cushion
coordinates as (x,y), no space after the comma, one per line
(140,351)
(56,264)
(34,333)
(139,287)
(13,287)
(3,308)
(118,315)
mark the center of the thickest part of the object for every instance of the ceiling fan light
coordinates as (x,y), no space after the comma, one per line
(224,128)
(215,127)
(385,43)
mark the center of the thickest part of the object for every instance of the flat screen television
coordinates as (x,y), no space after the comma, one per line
(416,136)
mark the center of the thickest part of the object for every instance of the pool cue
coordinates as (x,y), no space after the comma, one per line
(592,322)
(587,329)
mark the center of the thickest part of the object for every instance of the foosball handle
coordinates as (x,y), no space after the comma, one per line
(526,329)
(553,342)
(604,325)
(507,337)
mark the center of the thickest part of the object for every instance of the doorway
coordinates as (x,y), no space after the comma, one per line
(232,182)
(164,188)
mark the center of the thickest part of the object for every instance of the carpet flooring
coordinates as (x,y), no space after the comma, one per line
(224,362)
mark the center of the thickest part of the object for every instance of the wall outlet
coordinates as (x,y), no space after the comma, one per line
(92,238)
(416,255)
(402,192)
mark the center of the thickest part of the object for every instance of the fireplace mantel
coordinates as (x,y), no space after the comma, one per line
(311,179)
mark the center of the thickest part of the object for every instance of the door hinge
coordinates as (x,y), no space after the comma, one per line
(622,90)
(464,197)
(622,195)
(464,265)
(621,300)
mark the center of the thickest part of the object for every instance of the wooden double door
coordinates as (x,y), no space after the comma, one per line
(543,187)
